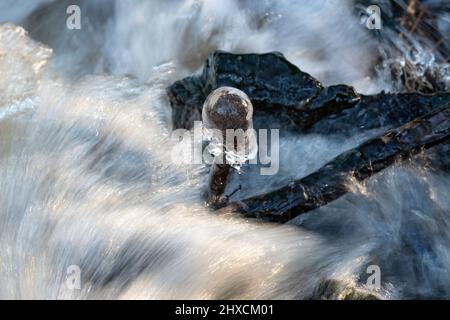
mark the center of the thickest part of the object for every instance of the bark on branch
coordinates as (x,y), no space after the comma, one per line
(329,182)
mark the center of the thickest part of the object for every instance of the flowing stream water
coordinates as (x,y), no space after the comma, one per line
(86,177)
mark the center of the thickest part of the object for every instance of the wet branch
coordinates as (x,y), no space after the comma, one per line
(329,182)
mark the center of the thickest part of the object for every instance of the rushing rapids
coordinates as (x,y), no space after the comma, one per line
(87,180)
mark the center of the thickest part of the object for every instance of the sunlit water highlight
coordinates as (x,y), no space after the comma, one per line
(86,177)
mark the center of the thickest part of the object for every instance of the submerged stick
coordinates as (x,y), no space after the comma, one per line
(226,109)
(329,182)
(218,177)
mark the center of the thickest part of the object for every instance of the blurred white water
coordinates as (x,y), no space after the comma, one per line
(308,33)
(87,180)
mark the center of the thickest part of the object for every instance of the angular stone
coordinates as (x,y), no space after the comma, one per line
(270,81)
(388,110)
(281,90)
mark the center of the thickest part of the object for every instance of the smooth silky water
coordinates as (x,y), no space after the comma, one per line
(86,175)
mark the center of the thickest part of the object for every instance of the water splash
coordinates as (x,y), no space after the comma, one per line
(86,176)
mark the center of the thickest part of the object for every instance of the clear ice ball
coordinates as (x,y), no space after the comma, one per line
(227,121)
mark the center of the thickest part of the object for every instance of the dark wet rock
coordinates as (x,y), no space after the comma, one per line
(270,81)
(330,101)
(329,182)
(281,93)
(280,90)
(332,289)
(387,110)
(186,98)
